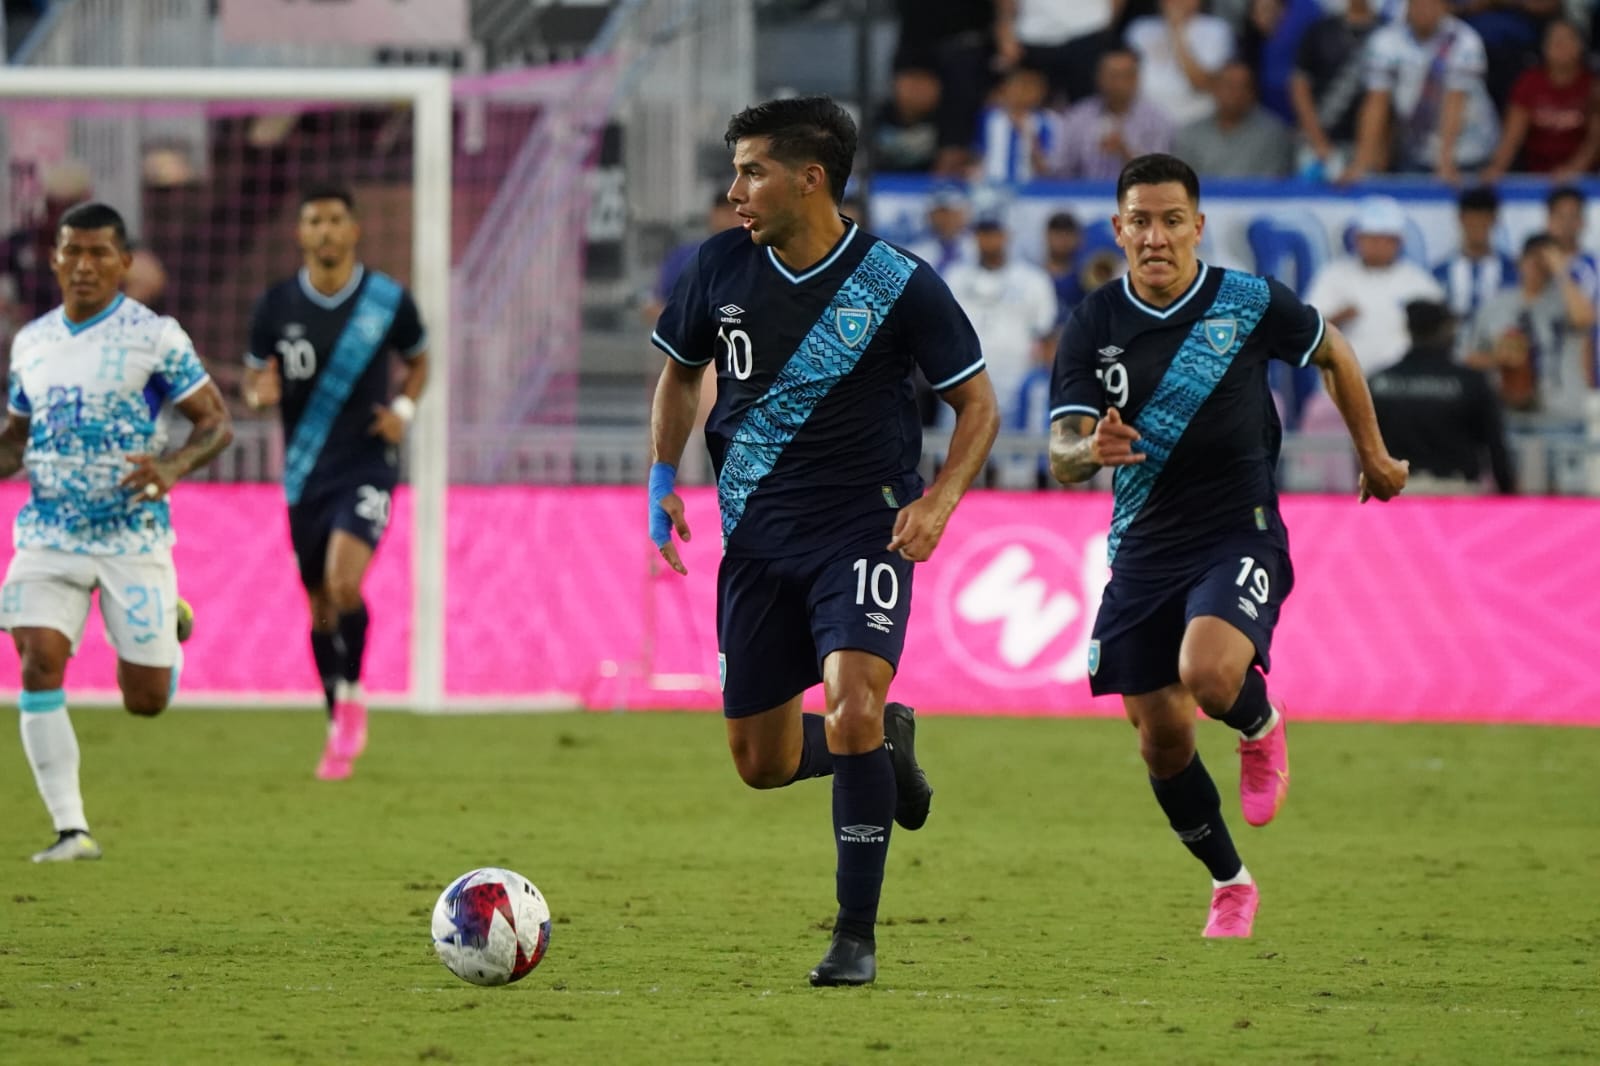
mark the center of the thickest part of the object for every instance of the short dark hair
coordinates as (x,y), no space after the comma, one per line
(801,130)
(1429,321)
(1537,241)
(1478,198)
(1564,192)
(1063,221)
(1158,168)
(329,191)
(95,215)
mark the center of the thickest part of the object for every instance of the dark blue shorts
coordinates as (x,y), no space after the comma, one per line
(778,619)
(360,510)
(1142,617)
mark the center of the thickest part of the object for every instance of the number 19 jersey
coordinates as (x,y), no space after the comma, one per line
(1191,377)
(814,434)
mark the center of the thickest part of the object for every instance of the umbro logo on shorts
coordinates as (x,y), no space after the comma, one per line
(879,621)
(730,313)
(1109,353)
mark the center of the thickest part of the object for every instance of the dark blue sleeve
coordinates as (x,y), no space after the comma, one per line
(1294,329)
(941,339)
(685,329)
(262,345)
(1075,388)
(407,335)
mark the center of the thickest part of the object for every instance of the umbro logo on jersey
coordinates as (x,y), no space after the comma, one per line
(1109,353)
(731,313)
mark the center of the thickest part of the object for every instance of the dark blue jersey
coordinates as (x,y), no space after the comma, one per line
(1192,379)
(815,434)
(332,354)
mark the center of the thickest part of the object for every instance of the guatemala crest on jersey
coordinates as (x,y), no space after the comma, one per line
(852,323)
(1220,333)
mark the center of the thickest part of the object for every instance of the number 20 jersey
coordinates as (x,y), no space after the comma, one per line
(815,434)
(1191,377)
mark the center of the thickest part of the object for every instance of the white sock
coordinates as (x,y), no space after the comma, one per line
(52,750)
(1272,723)
(1241,878)
(177,672)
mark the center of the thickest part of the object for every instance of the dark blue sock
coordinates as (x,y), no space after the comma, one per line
(863,811)
(353,635)
(1250,711)
(330,662)
(1194,810)
(815,758)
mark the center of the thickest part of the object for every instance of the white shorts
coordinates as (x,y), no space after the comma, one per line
(138,599)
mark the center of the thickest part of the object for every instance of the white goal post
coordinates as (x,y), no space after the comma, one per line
(427,92)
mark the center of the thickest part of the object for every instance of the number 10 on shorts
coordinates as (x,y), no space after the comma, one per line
(883,583)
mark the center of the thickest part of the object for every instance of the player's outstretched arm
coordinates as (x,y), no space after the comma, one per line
(213,431)
(1382,475)
(920,524)
(1081,444)
(13,444)
(672,417)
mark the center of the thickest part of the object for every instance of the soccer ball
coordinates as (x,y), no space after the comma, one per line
(491,926)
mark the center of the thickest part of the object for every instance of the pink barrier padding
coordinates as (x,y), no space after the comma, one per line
(1475,610)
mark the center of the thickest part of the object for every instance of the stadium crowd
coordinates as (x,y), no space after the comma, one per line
(992,95)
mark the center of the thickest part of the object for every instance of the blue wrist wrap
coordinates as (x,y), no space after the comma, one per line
(663,479)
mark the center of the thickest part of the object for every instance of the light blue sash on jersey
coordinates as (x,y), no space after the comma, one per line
(1191,378)
(827,353)
(361,339)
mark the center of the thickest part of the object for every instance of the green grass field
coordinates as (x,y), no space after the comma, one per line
(1430,894)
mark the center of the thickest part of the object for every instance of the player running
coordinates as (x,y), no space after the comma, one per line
(1164,377)
(318,347)
(816,329)
(88,383)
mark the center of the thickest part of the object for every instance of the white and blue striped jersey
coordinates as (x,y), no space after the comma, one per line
(93,393)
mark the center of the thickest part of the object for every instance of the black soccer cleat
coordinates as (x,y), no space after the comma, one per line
(913,793)
(849,961)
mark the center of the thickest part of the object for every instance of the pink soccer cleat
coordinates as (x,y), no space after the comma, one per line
(1264,774)
(1233,911)
(333,766)
(349,737)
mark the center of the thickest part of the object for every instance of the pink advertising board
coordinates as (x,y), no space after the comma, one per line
(1468,610)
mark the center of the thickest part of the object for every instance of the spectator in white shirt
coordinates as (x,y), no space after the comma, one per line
(1180,51)
(1366,296)
(1012,305)
(1427,108)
